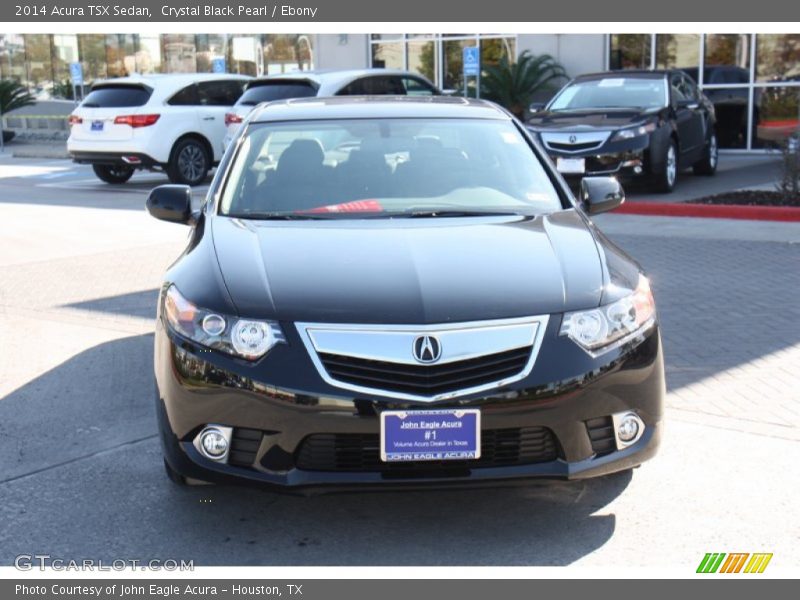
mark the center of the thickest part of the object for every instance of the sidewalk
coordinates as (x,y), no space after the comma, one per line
(36,149)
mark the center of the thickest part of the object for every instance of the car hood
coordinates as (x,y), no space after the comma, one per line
(409,271)
(585,120)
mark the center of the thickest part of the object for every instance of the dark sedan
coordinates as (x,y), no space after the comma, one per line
(398,291)
(643,124)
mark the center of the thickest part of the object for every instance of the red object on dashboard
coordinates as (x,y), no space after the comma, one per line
(347,207)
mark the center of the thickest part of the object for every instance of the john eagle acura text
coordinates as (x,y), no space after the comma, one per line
(394,291)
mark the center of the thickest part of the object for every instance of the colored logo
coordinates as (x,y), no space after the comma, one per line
(737,562)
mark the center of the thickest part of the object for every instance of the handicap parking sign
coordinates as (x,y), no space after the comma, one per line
(472,61)
(76,73)
(218,65)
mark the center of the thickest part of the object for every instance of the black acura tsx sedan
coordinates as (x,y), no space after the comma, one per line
(386,291)
(635,124)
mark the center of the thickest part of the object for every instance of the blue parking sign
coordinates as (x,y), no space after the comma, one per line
(472,61)
(76,73)
(218,65)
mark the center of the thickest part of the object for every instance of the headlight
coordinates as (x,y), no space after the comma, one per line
(245,338)
(601,329)
(632,132)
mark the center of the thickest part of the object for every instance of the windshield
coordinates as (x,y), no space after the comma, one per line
(386,168)
(612,92)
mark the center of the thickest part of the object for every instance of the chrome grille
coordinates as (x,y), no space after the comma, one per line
(470,357)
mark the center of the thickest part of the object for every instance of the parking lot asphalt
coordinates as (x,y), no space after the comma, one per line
(80,467)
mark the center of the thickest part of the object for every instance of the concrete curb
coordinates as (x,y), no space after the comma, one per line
(712,211)
(39,152)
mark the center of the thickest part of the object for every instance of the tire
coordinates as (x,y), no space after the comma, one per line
(708,164)
(189,162)
(115,174)
(664,180)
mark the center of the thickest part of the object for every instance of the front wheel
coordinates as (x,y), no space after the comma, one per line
(664,179)
(189,163)
(115,174)
(708,164)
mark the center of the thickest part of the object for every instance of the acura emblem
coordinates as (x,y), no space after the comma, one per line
(573,139)
(427,349)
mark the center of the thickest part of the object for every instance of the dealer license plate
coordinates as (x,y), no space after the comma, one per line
(571,165)
(418,435)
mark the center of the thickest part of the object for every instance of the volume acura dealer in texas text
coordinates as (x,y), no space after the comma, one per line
(205,10)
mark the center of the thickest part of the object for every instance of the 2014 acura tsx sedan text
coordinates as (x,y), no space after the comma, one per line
(398,291)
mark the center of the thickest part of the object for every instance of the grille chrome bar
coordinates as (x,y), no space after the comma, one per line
(378,359)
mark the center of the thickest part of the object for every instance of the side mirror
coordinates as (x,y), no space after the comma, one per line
(171,203)
(601,194)
(535,107)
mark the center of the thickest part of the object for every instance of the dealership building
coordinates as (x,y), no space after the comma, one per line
(752,79)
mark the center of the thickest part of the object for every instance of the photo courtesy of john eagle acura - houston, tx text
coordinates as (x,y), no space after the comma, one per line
(400,291)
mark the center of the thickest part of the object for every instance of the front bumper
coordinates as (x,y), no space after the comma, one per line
(625,158)
(566,397)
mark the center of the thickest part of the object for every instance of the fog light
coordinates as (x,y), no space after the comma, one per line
(213,442)
(628,429)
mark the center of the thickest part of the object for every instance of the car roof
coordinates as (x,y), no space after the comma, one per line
(335,78)
(169,82)
(631,73)
(377,107)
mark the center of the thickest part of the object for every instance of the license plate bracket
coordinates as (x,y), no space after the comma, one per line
(430,435)
(571,165)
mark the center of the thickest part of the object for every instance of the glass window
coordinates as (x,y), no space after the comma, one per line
(185,97)
(727,59)
(778,57)
(389,167)
(117,95)
(209,48)
(148,57)
(389,56)
(267,91)
(179,53)
(731,107)
(416,87)
(38,55)
(93,56)
(120,55)
(12,57)
(219,93)
(493,49)
(422,58)
(630,51)
(677,50)
(776,115)
(454,65)
(65,51)
(374,86)
(284,53)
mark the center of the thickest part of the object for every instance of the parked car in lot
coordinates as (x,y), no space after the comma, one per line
(302,84)
(384,291)
(174,123)
(647,124)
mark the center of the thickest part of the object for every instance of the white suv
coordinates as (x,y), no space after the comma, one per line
(174,123)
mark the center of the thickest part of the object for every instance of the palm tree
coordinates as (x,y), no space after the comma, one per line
(513,85)
(14,96)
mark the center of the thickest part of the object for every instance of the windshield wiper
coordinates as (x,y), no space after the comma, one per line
(432,213)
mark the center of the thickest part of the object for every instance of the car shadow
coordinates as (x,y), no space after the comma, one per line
(81,440)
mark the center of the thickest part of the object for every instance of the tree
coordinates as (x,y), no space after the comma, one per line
(513,85)
(14,96)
